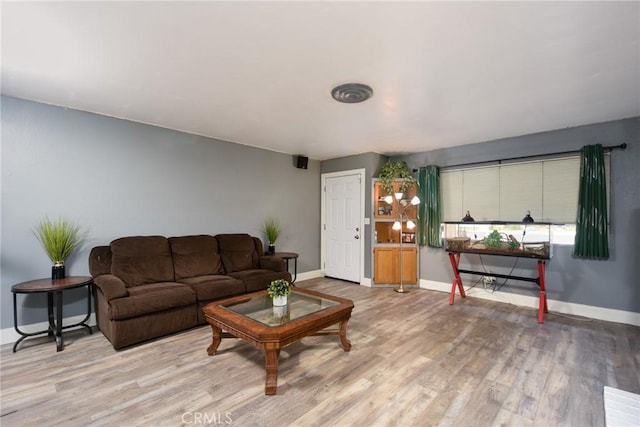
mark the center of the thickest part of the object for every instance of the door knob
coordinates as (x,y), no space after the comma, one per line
(356,237)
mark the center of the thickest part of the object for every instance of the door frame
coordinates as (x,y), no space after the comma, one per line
(323,183)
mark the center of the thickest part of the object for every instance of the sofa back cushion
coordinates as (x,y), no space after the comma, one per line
(140,260)
(238,252)
(195,256)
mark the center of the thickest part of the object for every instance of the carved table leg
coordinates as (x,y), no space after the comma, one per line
(215,342)
(346,344)
(271,368)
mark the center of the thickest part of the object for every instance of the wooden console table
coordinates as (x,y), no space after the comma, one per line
(454,258)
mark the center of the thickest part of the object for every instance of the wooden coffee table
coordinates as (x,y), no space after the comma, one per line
(253,318)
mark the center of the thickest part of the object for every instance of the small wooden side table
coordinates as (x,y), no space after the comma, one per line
(286,256)
(54,290)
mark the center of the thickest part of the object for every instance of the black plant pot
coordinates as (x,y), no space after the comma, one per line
(271,249)
(57,271)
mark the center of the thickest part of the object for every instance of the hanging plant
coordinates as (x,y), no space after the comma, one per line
(392,171)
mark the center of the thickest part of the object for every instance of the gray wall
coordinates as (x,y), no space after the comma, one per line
(614,283)
(120,178)
(372,163)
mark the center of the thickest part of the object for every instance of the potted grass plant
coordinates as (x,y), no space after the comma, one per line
(278,290)
(272,229)
(59,238)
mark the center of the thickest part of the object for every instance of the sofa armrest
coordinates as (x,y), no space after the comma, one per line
(111,286)
(272,263)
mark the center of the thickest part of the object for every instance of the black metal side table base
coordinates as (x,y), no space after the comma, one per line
(55,328)
(286,256)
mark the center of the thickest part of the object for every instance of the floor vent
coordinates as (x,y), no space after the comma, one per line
(621,408)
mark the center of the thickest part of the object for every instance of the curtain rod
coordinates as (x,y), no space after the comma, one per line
(561,153)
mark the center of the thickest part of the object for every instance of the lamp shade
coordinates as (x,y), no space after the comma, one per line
(398,195)
(411,225)
(396,225)
(468,218)
(415,200)
(528,217)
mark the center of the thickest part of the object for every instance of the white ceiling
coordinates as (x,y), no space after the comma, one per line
(260,73)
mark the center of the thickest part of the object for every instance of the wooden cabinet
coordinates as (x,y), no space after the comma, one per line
(386,265)
(387,210)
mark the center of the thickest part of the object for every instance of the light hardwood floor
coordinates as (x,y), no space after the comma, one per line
(415,360)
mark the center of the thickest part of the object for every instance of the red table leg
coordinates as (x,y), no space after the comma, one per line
(454,258)
(542,305)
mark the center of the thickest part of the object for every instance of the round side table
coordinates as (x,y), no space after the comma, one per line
(54,290)
(286,256)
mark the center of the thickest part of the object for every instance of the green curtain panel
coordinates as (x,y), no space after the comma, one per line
(429,207)
(592,237)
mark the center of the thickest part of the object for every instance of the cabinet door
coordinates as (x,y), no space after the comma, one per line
(409,265)
(387,265)
(385,262)
(381,208)
(404,205)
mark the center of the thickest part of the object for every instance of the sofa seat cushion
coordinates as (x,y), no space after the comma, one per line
(238,252)
(214,287)
(145,299)
(140,260)
(195,256)
(258,279)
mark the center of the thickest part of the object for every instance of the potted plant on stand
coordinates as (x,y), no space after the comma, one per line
(272,229)
(59,238)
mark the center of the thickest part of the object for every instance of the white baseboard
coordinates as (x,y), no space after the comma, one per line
(570,308)
(309,275)
(621,408)
(9,335)
(365,281)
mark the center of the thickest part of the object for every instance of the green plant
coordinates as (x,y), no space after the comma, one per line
(272,229)
(513,245)
(398,170)
(279,288)
(493,240)
(59,238)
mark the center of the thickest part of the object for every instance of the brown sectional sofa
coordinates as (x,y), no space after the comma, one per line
(149,286)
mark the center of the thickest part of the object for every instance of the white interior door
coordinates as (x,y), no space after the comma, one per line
(343,227)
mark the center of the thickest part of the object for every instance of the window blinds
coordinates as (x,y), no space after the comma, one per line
(548,188)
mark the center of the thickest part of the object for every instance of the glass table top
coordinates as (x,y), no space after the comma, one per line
(261,308)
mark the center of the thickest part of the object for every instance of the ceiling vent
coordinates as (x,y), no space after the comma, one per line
(351,93)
